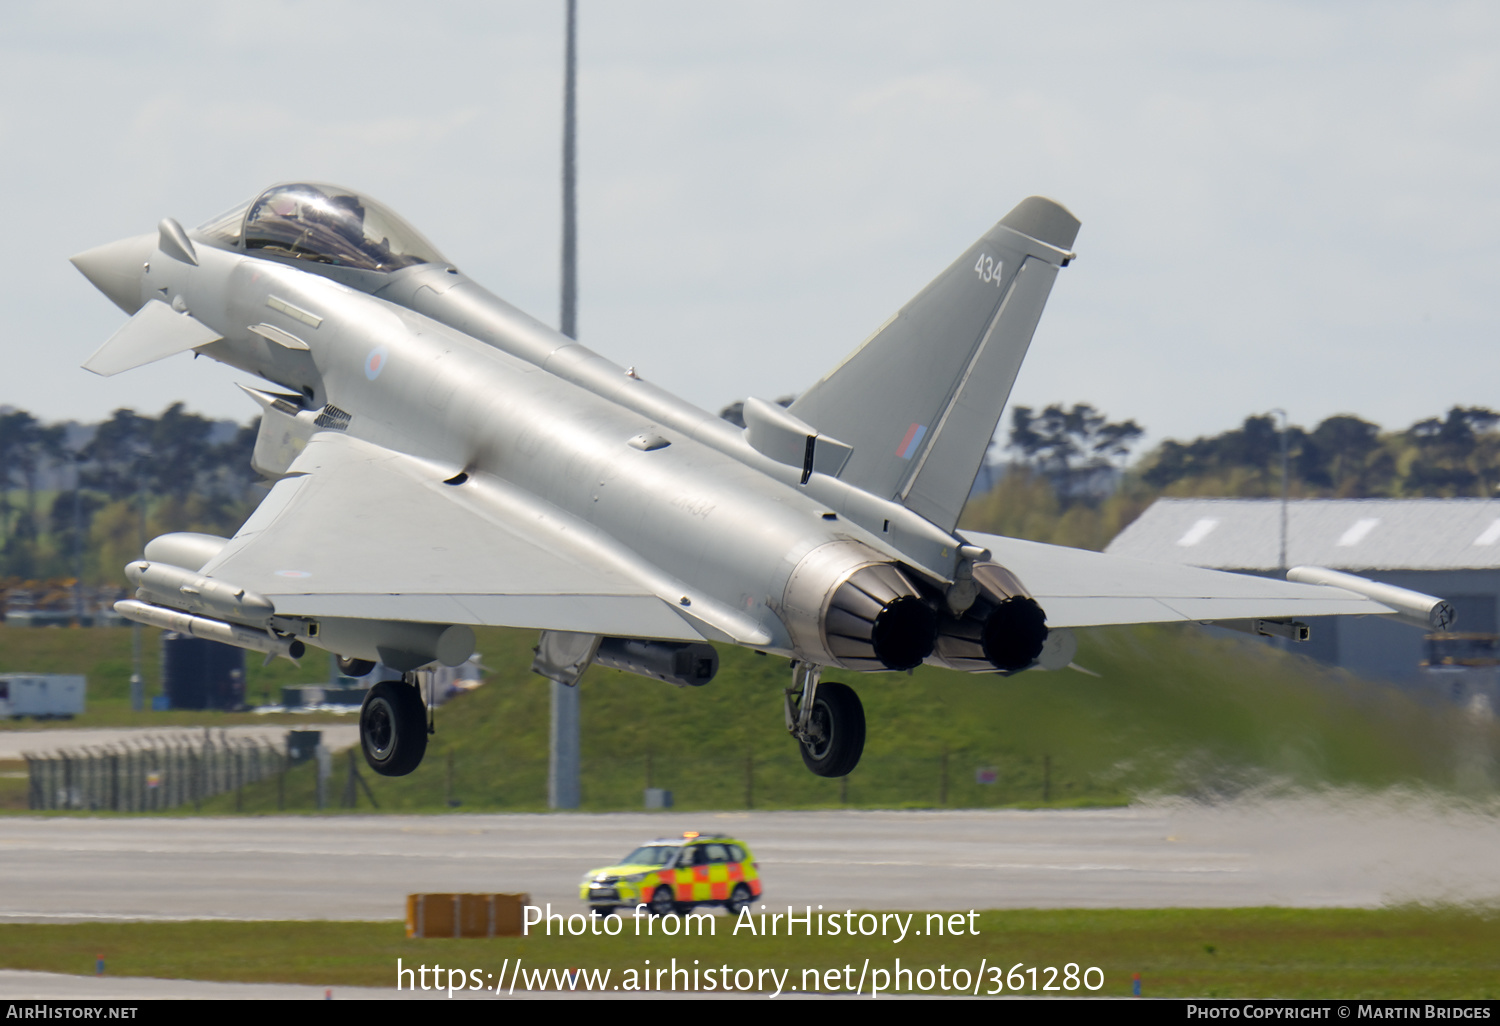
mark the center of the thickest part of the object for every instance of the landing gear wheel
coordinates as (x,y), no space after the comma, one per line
(663,902)
(836,731)
(393,728)
(351,667)
(739,899)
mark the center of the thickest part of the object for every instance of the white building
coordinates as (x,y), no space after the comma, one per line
(1444,547)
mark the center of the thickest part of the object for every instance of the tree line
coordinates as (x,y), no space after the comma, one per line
(1070,479)
(79,499)
(75,500)
(1456,455)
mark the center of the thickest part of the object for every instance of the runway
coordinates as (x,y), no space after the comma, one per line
(1309,852)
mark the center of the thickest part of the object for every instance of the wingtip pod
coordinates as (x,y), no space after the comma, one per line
(1413,607)
(1044,220)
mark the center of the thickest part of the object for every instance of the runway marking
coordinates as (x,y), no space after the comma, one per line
(1061,866)
(21,846)
(1068,867)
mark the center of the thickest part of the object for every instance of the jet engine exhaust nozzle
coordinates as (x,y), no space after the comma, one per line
(876,621)
(1003,630)
(1014,633)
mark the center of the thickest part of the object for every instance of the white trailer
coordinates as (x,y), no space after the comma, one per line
(41,695)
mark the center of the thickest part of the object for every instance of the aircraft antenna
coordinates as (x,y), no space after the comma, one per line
(564,790)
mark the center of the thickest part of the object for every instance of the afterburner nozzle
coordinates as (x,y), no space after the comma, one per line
(876,621)
(846,606)
(116,269)
(1003,630)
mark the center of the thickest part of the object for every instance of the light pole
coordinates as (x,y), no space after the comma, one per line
(137,681)
(1285,486)
(78,538)
(564,790)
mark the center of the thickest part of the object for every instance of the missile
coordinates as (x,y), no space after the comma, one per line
(210,630)
(183,589)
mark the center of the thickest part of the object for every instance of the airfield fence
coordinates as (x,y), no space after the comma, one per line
(148,775)
(222,775)
(777,778)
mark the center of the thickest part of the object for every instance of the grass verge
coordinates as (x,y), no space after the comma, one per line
(1406,952)
(1174,711)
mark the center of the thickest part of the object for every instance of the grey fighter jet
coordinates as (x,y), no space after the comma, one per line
(442,460)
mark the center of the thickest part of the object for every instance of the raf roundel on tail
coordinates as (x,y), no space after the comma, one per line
(503,474)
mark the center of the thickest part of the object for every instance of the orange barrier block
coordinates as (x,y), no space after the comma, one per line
(464,915)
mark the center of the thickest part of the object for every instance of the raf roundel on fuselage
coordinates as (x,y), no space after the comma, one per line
(323,224)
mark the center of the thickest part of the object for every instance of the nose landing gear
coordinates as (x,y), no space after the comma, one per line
(827,719)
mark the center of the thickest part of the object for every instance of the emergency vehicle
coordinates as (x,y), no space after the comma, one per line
(675,874)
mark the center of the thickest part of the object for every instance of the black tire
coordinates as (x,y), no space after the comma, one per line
(607,910)
(837,724)
(739,899)
(663,902)
(393,728)
(351,667)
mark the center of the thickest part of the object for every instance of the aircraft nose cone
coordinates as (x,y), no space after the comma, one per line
(115,269)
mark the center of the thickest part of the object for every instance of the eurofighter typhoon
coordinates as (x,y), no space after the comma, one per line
(441,460)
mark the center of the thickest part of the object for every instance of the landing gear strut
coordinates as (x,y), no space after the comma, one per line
(393,728)
(828,721)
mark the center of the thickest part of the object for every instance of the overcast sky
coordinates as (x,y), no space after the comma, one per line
(1283,205)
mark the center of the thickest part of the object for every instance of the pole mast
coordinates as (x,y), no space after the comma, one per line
(564,790)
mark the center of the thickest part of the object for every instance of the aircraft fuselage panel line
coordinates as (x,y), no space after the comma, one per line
(440,460)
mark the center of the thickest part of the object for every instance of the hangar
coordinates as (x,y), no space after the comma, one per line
(1444,547)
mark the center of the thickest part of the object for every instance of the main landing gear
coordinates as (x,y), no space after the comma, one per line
(393,727)
(828,721)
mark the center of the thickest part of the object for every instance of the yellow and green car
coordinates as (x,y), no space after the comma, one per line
(675,874)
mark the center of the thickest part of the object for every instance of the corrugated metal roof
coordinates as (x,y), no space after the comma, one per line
(1345,534)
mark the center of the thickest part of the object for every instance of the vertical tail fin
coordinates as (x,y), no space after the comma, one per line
(920,399)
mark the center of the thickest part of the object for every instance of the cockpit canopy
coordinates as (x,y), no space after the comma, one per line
(325,224)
